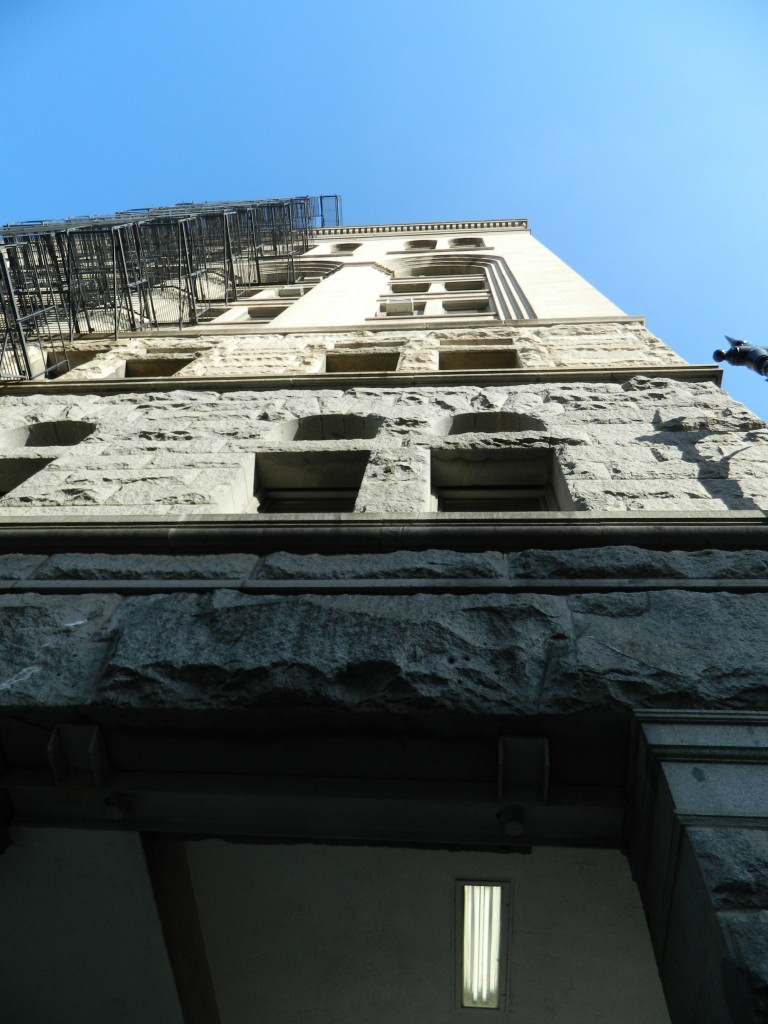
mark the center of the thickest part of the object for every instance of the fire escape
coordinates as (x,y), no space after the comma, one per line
(138,270)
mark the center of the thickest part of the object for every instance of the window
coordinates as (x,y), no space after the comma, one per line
(494,422)
(308,482)
(339,361)
(409,287)
(482,939)
(459,307)
(75,358)
(479,359)
(444,268)
(401,306)
(265,312)
(492,480)
(149,367)
(46,435)
(467,243)
(329,427)
(421,243)
(14,472)
(467,284)
(344,248)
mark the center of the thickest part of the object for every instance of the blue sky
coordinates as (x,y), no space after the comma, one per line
(633,136)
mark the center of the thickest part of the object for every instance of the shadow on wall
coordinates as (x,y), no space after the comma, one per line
(712,473)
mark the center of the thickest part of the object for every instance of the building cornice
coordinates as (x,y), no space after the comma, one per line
(393,379)
(439,323)
(363,533)
(520,224)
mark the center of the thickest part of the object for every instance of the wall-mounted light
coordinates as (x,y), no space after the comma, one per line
(482,928)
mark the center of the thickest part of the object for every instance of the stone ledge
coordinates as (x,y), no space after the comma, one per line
(340,381)
(614,588)
(357,533)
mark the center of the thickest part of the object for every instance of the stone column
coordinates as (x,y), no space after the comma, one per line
(698,844)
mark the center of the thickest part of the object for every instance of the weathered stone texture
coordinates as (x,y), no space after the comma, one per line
(52,649)
(397,565)
(745,966)
(618,447)
(734,864)
(607,563)
(72,566)
(566,345)
(495,654)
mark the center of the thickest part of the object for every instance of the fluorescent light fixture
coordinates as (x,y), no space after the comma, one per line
(481,946)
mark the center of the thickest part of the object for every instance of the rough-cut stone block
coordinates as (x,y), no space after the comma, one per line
(21,567)
(631,562)
(734,864)
(397,565)
(52,649)
(408,655)
(607,438)
(496,654)
(745,967)
(672,655)
(72,566)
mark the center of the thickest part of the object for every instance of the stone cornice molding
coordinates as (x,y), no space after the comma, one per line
(357,532)
(379,379)
(412,229)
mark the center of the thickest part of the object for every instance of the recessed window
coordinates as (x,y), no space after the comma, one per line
(421,243)
(466,284)
(44,435)
(460,307)
(308,482)
(493,422)
(265,312)
(345,248)
(401,306)
(466,243)
(75,358)
(329,428)
(14,472)
(444,268)
(148,367)
(479,359)
(482,942)
(492,480)
(409,287)
(360,362)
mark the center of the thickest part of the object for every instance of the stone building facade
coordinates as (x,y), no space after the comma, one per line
(427,567)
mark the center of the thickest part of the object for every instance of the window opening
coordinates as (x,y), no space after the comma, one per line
(489,480)
(15,472)
(401,306)
(360,362)
(494,422)
(44,435)
(148,367)
(478,359)
(409,287)
(461,306)
(265,313)
(330,427)
(308,482)
(469,284)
